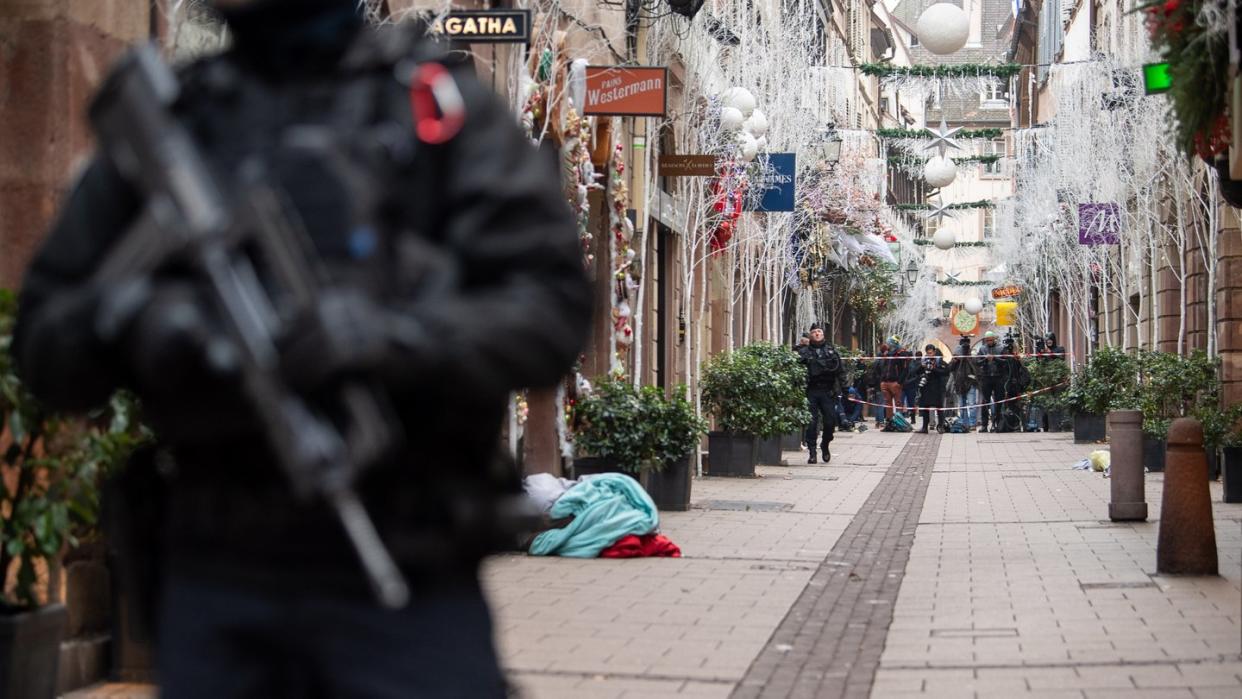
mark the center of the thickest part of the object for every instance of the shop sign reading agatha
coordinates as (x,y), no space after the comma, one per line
(626,91)
(485,26)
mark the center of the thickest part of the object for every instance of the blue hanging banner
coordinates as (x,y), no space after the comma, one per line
(775,188)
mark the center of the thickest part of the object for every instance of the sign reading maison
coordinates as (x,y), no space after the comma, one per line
(485,26)
(626,91)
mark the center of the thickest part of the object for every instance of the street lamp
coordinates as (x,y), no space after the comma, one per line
(912,273)
(830,145)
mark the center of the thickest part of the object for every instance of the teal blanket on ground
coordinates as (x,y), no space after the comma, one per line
(605,508)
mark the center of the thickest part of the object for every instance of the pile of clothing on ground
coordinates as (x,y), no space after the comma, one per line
(1099,461)
(608,515)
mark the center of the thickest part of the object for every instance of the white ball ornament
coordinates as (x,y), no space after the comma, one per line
(731,119)
(756,123)
(762,143)
(973,306)
(750,146)
(939,171)
(740,99)
(943,28)
(944,239)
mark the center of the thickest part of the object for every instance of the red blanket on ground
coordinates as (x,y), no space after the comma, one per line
(644,546)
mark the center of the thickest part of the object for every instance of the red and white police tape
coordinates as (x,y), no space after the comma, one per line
(891,406)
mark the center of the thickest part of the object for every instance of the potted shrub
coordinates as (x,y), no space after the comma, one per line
(52,471)
(789,412)
(672,435)
(1231,460)
(608,429)
(1222,436)
(753,393)
(1051,374)
(1106,382)
(1170,387)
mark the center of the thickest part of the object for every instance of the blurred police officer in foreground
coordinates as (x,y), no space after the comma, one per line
(261,594)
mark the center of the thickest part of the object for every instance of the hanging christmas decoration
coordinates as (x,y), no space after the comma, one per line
(939,171)
(731,119)
(749,146)
(944,239)
(942,138)
(626,274)
(973,306)
(579,175)
(885,71)
(943,28)
(756,124)
(740,99)
(922,133)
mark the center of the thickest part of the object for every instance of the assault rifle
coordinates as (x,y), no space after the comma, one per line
(261,276)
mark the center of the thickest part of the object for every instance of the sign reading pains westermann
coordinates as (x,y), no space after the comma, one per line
(626,91)
(485,26)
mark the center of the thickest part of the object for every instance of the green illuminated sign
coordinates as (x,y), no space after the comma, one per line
(1156,78)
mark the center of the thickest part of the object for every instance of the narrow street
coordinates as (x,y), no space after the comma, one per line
(975,565)
(798,584)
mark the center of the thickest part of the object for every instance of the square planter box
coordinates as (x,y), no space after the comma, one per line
(670,488)
(1153,453)
(732,455)
(770,451)
(30,652)
(592,465)
(791,442)
(1231,474)
(1089,428)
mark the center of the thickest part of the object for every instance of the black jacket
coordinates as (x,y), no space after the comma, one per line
(485,200)
(932,375)
(894,369)
(824,368)
(987,364)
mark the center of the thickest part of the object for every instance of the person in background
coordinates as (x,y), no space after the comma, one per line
(892,369)
(965,384)
(910,386)
(873,384)
(933,371)
(991,378)
(824,369)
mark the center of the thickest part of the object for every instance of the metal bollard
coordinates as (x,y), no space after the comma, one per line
(1127,480)
(1187,543)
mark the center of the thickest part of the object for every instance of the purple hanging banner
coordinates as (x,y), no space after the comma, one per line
(1099,224)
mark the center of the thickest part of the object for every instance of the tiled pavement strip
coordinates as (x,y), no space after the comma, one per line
(1013,587)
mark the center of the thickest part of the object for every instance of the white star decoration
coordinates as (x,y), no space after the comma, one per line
(942,138)
(939,211)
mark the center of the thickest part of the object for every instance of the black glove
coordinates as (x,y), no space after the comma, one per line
(165,329)
(345,335)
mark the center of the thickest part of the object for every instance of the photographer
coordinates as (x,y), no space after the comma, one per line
(965,384)
(932,374)
(1014,380)
(989,369)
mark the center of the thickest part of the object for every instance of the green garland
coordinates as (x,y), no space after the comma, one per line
(984,159)
(981,204)
(955,282)
(920,133)
(968,244)
(956,70)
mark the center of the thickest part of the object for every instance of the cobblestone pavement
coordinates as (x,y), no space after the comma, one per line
(1016,584)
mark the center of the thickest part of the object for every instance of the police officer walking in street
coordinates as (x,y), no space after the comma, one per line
(260,593)
(823,389)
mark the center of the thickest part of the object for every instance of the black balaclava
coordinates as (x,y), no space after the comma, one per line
(290,35)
